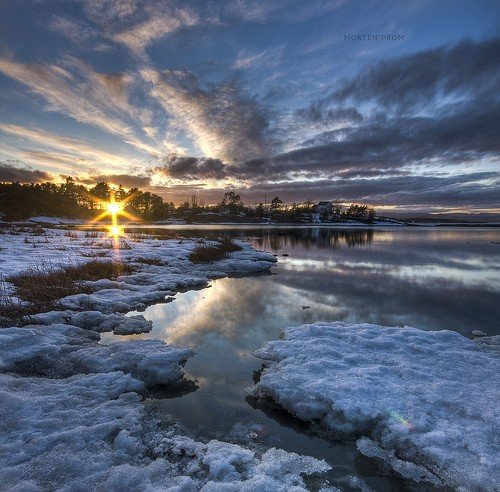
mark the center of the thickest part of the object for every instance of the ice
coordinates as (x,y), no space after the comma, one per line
(423,402)
(95,320)
(233,468)
(479,333)
(90,432)
(61,433)
(60,351)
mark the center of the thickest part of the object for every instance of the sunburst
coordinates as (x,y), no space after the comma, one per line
(114,210)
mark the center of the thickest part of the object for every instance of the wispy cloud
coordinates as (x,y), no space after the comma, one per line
(159,24)
(62,149)
(137,24)
(267,58)
(224,122)
(77,90)
(80,33)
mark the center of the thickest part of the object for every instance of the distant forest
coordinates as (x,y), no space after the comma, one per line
(69,199)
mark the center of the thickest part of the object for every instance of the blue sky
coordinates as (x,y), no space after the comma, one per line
(262,97)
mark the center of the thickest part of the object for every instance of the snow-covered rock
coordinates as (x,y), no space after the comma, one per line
(423,402)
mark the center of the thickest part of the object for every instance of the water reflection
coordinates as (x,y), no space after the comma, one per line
(431,279)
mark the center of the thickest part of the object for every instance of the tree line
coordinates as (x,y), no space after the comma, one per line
(72,200)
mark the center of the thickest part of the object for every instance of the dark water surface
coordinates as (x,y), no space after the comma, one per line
(430,278)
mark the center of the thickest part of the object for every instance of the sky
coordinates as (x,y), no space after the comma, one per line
(394,104)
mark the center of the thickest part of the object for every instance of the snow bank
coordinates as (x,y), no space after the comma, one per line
(43,219)
(90,432)
(60,351)
(423,402)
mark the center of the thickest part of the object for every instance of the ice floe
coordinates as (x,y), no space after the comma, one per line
(423,402)
(59,351)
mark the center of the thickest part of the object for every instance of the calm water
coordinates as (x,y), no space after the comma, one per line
(433,279)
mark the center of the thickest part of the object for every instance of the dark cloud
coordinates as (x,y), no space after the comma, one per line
(481,190)
(466,136)
(469,191)
(126,180)
(192,168)
(316,113)
(464,130)
(466,69)
(12,173)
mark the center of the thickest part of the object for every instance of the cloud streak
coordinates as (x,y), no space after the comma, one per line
(62,149)
(77,90)
(157,25)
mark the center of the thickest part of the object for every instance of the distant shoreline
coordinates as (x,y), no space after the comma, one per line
(181,224)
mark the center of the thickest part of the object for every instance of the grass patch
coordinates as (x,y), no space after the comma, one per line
(42,286)
(13,312)
(205,254)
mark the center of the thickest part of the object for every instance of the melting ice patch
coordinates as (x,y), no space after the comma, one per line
(424,402)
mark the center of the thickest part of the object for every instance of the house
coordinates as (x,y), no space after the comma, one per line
(324,208)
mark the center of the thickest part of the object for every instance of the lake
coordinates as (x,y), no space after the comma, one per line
(430,278)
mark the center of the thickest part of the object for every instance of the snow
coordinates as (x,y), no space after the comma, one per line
(422,402)
(42,219)
(60,351)
(479,333)
(90,432)
(147,284)
(72,411)
(96,321)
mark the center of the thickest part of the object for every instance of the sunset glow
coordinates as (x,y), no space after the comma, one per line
(194,98)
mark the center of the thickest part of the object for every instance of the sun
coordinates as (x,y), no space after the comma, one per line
(113,208)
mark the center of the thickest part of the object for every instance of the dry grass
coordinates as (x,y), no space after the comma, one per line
(42,286)
(13,312)
(205,254)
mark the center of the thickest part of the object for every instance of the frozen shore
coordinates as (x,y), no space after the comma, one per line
(425,403)
(72,417)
